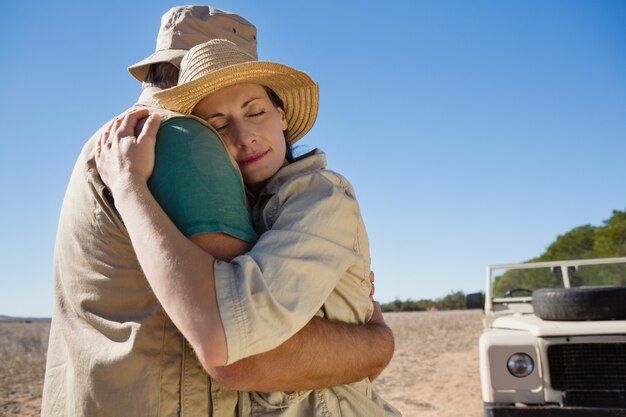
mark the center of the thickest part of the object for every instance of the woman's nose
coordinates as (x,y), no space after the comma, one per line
(243,135)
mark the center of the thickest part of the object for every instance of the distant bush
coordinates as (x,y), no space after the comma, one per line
(453,301)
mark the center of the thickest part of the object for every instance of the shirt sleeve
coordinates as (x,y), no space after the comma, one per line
(196,183)
(268,294)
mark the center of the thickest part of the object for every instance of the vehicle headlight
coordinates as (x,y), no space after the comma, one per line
(520,365)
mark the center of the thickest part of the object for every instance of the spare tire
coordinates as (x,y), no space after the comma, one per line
(604,302)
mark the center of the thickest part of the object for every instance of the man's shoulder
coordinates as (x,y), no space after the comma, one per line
(178,124)
(183,121)
(183,139)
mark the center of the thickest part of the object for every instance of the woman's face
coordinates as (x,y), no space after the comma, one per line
(251,127)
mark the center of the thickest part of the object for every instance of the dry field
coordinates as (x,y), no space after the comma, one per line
(434,371)
(22,360)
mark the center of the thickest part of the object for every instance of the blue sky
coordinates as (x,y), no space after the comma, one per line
(474,132)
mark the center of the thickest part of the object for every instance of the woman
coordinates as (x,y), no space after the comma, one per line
(308,219)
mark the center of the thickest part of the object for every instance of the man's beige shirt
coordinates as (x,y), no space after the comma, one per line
(113,351)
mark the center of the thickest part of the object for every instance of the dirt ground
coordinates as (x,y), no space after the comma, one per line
(22,361)
(434,372)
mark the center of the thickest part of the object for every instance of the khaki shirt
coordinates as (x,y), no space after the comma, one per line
(312,259)
(112,350)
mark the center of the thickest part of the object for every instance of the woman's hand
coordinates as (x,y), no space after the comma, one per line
(122,157)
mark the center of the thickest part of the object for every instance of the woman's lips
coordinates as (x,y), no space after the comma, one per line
(253,158)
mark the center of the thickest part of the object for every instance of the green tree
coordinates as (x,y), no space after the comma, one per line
(610,240)
(578,243)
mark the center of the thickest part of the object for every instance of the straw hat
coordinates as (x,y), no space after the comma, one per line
(220,63)
(183,27)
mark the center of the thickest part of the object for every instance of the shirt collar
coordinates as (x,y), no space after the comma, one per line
(311,161)
(146,99)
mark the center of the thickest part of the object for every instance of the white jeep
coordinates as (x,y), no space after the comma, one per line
(554,342)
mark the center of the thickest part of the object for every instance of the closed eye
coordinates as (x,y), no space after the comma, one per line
(220,128)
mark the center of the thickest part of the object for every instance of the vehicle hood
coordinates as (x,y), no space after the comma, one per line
(543,328)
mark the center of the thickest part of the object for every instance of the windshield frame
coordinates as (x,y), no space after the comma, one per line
(565,266)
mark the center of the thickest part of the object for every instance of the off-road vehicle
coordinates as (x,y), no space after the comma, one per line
(554,342)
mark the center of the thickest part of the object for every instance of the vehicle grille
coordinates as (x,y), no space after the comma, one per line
(589,374)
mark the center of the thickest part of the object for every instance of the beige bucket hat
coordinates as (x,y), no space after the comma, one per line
(221,63)
(183,27)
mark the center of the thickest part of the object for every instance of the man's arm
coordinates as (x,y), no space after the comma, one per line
(322,354)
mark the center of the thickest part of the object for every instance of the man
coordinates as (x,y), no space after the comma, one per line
(113,351)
